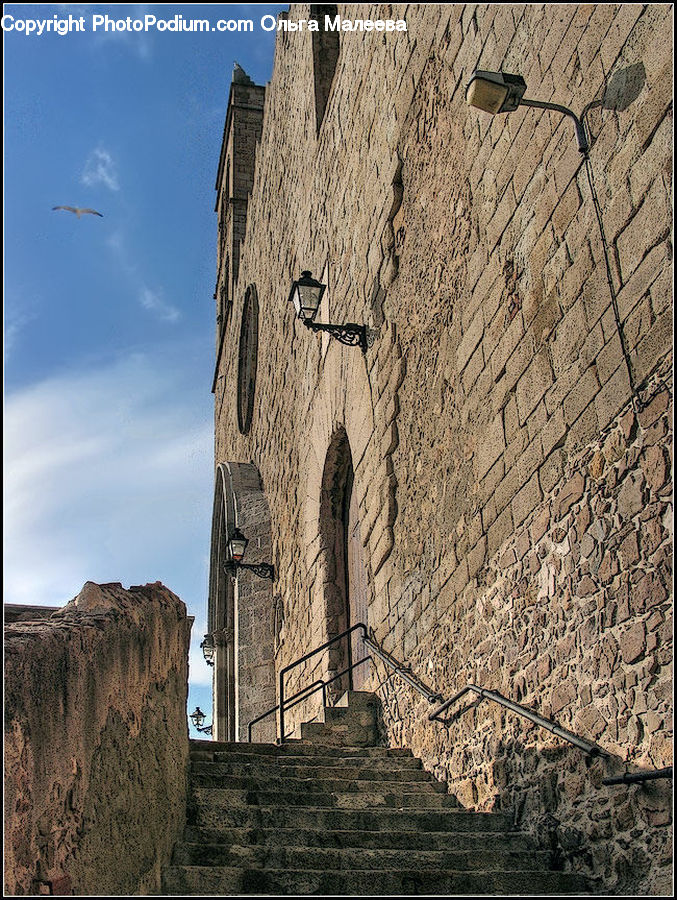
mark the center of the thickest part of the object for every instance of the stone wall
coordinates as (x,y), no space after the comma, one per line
(96,743)
(511,445)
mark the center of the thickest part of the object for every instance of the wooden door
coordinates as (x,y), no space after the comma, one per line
(356,588)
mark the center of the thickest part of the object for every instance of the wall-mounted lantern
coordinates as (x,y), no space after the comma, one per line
(197,717)
(208,649)
(237,544)
(497,92)
(306,294)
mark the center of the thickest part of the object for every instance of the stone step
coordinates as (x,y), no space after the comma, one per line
(203,880)
(312,785)
(219,821)
(216,799)
(349,771)
(283,761)
(356,858)
(357,700)
(384,839)
(338,715)
(296,748)
(339,734)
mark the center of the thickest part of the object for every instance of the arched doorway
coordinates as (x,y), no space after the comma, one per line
(345,587)
(356,582)
(241,615)
(221,613)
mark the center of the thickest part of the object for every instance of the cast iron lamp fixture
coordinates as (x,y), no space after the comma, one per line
(237,544)
(306,294)
(197,717)
(208,648)
(497,92)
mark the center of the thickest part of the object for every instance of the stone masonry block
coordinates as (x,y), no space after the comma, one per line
(491,446)
(470,340)
(500,531)
(656,158)
(526,500)
(613,396)
(581,395)
(649,224)
(653,347)
(641,280)
(583,431)
(533,384)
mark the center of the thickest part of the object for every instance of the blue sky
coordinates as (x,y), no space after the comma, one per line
(109,322)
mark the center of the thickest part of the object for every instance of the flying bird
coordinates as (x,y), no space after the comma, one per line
(79,211)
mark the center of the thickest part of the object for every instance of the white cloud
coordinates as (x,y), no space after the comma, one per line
(108,477)
(155,302)
(100,168)
(15,322)
(152,299)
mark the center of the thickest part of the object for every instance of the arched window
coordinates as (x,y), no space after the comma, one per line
(325,57)
(247,360)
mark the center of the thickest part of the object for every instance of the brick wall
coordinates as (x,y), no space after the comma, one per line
(96,743)
(515,507)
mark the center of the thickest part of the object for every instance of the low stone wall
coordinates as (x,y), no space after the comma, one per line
(96,742)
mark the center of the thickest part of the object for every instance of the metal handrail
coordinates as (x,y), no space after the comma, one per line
(404,673)
(306,691)
(484,694)
(639,777)
(553,727)
(320,684)
(339,637)
(431,696)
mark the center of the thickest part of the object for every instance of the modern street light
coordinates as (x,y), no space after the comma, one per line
(497,92)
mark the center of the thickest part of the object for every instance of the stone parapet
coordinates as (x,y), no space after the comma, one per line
(96,742)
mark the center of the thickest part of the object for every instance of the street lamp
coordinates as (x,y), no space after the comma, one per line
(208,649)
(237,544)
(497,92)
(306,295)
(197,717)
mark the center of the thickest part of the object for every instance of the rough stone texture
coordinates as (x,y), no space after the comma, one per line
(515,511)
(96,742)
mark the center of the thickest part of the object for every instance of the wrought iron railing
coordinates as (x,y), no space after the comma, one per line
(321,684)
(405,673)
(556,729)
(297,662)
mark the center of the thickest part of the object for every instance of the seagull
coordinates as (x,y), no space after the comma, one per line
(78,210)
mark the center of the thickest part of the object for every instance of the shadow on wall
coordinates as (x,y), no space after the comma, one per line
(622,89)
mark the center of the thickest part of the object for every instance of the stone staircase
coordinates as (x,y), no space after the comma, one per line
(318,816)
(351,722)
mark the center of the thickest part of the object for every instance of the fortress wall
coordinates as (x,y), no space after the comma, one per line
(515,507)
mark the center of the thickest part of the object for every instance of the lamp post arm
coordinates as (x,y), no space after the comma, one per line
(583,145)
(351,333)
(263,570)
